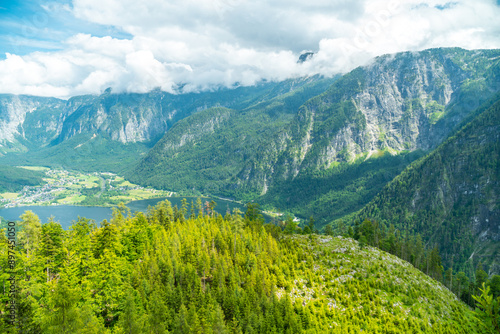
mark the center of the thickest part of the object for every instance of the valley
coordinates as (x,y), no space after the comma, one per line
(63,187)
(380,188)
(250,167)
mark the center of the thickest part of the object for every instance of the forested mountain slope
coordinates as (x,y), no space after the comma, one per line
(451,197)
(163,272)
(12,179)
(402,103)
(111,131)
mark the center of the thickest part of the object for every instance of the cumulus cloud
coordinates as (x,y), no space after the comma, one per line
(202,44)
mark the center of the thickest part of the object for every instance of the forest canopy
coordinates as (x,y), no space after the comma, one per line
(191,270)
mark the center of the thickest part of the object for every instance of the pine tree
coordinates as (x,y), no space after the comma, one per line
(488,310)
(30,232)
(62,314)
(130,319)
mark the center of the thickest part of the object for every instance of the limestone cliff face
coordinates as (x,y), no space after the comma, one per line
(406,101)
(30,122)
(127,118)
(27,121)
(403,102)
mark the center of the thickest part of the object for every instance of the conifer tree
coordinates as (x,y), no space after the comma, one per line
(30,230)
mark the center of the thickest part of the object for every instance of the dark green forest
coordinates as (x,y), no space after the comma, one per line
(191,270)
(442,194)
(13,179)
(339,190)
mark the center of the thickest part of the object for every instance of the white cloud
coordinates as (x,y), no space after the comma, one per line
(206,43)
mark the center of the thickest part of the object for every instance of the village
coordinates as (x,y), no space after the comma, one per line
(63,187)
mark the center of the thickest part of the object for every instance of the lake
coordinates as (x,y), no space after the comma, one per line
(65,214)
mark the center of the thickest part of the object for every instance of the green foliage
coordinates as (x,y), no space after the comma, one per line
(61,314)
(161,272)
(30,229)
(439,195)
(83,152)
(13,179)
(338,191)
(488,310)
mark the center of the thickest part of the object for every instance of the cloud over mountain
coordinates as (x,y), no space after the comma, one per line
(201,44)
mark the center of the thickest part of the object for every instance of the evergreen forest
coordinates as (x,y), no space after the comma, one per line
(191,270)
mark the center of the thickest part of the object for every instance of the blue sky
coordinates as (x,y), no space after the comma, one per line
(64,48)
(28,25)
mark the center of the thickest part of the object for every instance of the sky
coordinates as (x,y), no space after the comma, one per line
(64,48)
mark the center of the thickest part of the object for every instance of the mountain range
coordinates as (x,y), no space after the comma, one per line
(313,146)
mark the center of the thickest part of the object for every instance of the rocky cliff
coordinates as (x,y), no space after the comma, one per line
(51,129)
(28,121)
(451,196)
(399,103)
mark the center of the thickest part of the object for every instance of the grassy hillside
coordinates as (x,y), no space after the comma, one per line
(160,272)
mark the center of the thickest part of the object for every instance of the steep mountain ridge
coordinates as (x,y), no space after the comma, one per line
(28,121)
(406,101)
(51,129)
(399,103)
(216,153)
(451,196)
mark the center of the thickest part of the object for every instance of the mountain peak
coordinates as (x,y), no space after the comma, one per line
(305,56)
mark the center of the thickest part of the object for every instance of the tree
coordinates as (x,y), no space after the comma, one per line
(130,320)
(30,232)
(181,321)
(105,238)
(328,230)
(448,278)
(367,229)
(311,224)
(62,314)
(183,210)
(494,284)
(217,320)
(462,283)
(290,226)
(253,216)
(306,230)
(157,313)
(481,276)
(199,207)
(488,310)
(51,246)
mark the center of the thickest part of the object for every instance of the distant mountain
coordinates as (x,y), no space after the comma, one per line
(312,146)
(209,148)
(451,197)
(28,122)
(110,131)
(402,103)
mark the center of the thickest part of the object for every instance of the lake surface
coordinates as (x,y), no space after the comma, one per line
(65,214)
